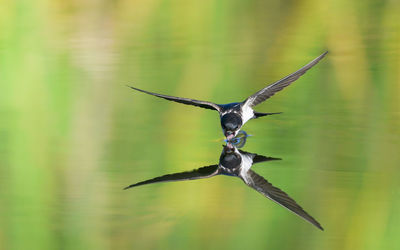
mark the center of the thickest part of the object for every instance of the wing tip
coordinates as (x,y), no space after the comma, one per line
(131,186)
(323,54)
(319,226)
(313,221)
(131,87)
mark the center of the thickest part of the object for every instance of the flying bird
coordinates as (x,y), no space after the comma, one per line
(237,163)
(234,115)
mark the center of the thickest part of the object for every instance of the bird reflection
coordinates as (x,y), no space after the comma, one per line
(237,163)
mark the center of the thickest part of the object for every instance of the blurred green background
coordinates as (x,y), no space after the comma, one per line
(72,135)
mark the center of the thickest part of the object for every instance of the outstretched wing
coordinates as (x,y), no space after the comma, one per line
(271,89)
(201,104)
(258,183)
(204,172)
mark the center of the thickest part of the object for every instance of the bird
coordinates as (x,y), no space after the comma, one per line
(237,163)
(234,115)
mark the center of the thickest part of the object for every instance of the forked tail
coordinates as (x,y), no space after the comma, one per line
(258,114)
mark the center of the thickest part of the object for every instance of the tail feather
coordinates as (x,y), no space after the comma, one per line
(258,114)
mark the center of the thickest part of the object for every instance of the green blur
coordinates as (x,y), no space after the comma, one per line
(72,135)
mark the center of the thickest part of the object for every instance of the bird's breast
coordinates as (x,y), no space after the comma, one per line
(247,113)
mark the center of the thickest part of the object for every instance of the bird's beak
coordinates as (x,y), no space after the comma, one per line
(229,135)
(229,147)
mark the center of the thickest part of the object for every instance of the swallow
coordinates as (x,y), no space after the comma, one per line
(237,163)
(234,115)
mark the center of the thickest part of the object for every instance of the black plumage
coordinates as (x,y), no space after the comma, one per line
(234,115)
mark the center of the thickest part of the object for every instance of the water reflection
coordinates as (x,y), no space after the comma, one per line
(240,140)
(237,163)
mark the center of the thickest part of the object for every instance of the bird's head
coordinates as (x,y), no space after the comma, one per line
(230,158)
(231,124)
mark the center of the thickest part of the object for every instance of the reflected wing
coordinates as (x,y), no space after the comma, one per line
(201,104)
(204,172)
(258,183)
(271,89)
(259,158)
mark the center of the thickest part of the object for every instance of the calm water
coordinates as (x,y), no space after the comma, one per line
(73,135)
